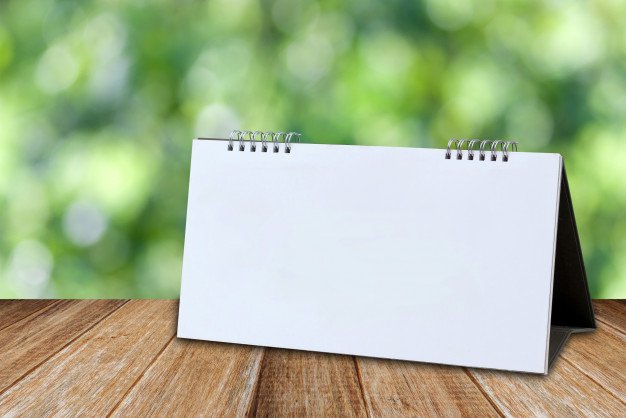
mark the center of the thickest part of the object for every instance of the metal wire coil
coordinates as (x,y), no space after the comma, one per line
(263,138)
(456,146)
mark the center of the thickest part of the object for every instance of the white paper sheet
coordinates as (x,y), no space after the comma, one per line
(373,251)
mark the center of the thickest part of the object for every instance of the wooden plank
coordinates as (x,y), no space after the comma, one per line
(600,355)
(612,312)
(196,378)
(90,376)
(32,340)
(398,388)
(298,383)
(12,311)
(565,391)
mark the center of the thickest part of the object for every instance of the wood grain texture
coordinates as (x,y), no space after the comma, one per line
(565,392)
(299,383)
(96,358)
(196,378)
(395,388)
(90,376)
(612,312)
(601,355)
(35,338)
(12,311)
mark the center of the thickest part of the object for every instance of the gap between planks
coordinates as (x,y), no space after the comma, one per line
(50,304)
(154,360)
(297,382)
(359,379)
(257,380)
(397,388)
(610,325)
(606,373)
(611,313)
(196,378)
(61,348)
(483,390)
(567,390)
(58,386)
(592,378)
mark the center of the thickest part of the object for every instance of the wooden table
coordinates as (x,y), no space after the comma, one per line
(116,357)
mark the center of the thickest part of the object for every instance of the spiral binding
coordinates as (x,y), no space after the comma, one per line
(505,146)
(262,138)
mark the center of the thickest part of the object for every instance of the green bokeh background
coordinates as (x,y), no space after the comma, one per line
(99,102)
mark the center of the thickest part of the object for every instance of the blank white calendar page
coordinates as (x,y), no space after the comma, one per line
(373,251)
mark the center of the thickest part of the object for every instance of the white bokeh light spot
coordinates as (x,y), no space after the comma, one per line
(84,223)
(29,267)
(57,70)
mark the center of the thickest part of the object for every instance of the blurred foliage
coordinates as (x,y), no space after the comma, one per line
(99,102)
